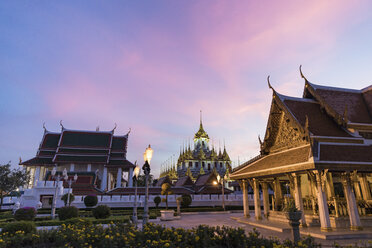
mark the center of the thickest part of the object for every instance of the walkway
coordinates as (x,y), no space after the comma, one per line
(279,230)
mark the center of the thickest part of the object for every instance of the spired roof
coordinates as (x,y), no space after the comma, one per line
(357,102)
(85,139)
(201,133)
(205,179)
(75,146)
(319,123)
(50,141)
(185,182)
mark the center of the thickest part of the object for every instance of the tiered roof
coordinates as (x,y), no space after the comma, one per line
(88,147)
(328,128)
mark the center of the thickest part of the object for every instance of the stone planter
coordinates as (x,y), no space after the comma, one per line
(166,215)
(294,221)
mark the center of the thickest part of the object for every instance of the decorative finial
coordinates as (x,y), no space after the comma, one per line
(97,129)
(114,127)
(130,129)
(44,127)
(259,140)
(20,160)
(307,123)
(201,122)
(302,75)
(268,82)
(60,123)
(345,114)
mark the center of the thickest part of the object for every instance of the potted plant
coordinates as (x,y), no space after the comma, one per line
(166,214)
(294,216)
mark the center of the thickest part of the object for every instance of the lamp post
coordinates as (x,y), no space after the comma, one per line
(135,178)
(56,178)
(69,185)
(147,155)
(222,181)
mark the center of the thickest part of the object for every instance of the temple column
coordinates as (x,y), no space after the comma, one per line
(277,193)
(89,167)
(118,178)
(298,197)
(36,175)
(322,201)
(130,177)
(330,187)
(257,203)
(265,196)
(358,193)
(365,187)
(351,203)
(245,198)
(104,179)
(72,167)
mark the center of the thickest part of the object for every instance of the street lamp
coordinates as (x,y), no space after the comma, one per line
(222,181)
(69,184)
(135,178)
(147,155)
(56,178)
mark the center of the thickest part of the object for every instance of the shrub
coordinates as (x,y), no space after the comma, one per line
(78,222)
(65,213)
(26,213)
(90,200)
(25,226)
(64,198)
(186,201)
(101,212)
(157,201)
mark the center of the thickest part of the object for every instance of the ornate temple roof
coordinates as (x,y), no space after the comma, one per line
(201,132)
(325,129)
(76,146)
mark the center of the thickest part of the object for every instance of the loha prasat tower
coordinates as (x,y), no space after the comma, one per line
(202,159)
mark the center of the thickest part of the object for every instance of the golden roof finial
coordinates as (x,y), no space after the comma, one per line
(268,83)
(302,75)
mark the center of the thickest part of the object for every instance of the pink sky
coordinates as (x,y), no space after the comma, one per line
(152,67)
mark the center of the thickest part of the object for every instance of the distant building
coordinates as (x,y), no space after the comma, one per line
(200,160)
(97,157)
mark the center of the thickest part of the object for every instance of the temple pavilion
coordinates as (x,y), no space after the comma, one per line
(317,150)
(97,157)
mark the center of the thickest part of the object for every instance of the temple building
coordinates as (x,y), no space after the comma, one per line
(97,157)
(199,160)
(317,151)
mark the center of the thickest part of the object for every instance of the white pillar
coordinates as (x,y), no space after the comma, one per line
(109,180)
(265,196)
(36,175)
(325,223)
(89,167)
(351,203)
(365,187)
(298,197)
(104,179)
(277,193)
(118,177)
(245,198)
(72,167)
(257,203)
(130,177)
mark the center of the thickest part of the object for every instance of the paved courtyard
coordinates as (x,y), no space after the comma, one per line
(225,219)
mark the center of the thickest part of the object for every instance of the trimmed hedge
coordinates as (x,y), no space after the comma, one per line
(65,213)
(26,213)
(90,200)
(101,212)
(186,201)
(23,226)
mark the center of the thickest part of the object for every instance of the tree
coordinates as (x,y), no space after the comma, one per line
(11,179)
(166,190)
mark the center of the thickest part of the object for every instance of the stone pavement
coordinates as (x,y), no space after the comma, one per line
(226,219)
